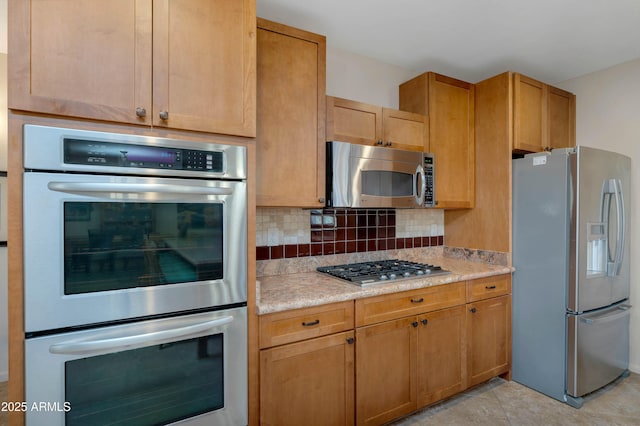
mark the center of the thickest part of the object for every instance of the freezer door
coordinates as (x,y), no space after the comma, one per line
(598,348)
(599,271)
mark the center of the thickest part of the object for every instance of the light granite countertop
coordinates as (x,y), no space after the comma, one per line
(288,291)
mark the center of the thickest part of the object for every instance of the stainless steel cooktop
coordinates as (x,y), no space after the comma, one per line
(367,273)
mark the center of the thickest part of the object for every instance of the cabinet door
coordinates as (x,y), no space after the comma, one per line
(530,114)
(354,122)
(489,338)
(308,383)
(450,105)
(451,139)
(204,65)
(441,354)
(385,371)
(562,118)
(81,58)
(291,117)
(405,130)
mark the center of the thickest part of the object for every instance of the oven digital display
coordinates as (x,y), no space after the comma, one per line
(104,153)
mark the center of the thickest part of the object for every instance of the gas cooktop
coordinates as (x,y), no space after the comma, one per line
(366,273)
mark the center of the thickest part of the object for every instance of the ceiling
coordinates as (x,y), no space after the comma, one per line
(550,40)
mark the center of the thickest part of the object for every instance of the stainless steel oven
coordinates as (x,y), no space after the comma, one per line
(186,369)
(120,226)
(135,279)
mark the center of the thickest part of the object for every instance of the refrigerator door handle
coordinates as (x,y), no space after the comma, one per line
(612,188)
(624,310)
(622,225)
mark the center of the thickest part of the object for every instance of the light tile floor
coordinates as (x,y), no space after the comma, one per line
(499,402)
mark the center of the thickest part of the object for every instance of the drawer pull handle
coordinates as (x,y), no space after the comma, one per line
(490,287)
(350,340)
(310,323)
(417,300)
(424,321)
(414,324)
(473,310)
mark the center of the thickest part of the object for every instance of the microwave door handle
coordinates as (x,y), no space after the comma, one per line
(121,343)
(102,187)
(423,185)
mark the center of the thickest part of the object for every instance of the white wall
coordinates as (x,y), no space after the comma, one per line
(3,26)
(608,117)
(364,79)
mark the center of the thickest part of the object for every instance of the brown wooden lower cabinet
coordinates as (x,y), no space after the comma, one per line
(308,383)
(386,370)
(411,349)
(441,354)
(489,338)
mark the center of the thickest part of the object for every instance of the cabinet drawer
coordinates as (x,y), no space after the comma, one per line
(484,288)
(384,308)
(299,324)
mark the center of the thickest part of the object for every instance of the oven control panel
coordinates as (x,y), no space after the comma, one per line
(102,153)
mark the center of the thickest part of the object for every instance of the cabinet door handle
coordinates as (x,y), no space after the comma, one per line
(414,324)
(473,310)
(417,300)
(379,142)
(424,321)
(490,287)
(164,115)
(310,323)
(388,143)
(141,112)
(350,340)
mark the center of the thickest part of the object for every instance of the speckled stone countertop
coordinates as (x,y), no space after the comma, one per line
(300,289)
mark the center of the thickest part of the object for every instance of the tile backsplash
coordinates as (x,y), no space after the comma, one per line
(288,233)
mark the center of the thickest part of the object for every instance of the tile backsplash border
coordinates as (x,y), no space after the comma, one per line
(284,233)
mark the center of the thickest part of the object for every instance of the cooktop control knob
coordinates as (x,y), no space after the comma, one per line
(419,272)
(392,276)
(384,277)
(406,274)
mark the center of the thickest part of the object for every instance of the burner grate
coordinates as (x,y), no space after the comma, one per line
(381,271)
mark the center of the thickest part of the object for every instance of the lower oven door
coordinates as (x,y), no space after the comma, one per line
(189,370)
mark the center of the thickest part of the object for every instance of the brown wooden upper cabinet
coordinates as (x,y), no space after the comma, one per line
(290,138)
(184,64)
(365,124)
(544,116)
(449,103)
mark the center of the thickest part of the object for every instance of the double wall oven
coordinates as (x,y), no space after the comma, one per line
(135,279)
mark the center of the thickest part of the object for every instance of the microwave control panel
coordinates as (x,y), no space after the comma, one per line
(101,153)
(429,191)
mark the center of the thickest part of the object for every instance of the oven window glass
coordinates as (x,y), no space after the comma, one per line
(387,184)
(114,246)
(155,385)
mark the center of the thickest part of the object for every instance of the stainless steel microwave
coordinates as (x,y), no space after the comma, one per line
(361,176)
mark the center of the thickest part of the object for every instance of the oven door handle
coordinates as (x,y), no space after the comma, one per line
(126,342)
(84,187)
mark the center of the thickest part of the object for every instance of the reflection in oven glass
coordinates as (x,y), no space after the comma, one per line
(113,246)
(155,385)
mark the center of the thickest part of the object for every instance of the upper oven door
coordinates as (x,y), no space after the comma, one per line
(103,248)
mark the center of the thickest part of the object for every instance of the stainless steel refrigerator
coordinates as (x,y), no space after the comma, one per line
(571,279)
